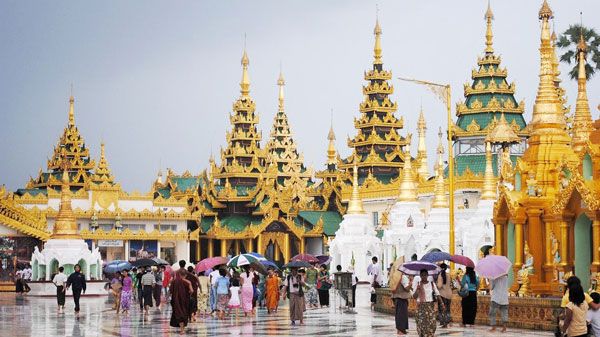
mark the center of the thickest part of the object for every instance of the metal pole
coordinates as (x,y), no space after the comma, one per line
(450,169)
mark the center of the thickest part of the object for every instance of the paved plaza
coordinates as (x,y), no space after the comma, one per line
(31,316)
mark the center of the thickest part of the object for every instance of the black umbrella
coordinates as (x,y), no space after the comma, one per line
(297,264)
(160,262)
(144,263)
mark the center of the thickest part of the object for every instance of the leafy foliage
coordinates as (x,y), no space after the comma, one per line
(569,40)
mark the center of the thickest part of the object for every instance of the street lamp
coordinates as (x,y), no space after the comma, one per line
(442,91)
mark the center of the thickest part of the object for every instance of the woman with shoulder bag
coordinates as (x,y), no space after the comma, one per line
(323,286)
(469,282)
(427,294)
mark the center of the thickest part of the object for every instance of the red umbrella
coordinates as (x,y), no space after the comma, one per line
(465,261)
(210,263)
(306,258)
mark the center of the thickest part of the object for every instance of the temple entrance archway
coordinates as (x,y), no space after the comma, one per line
(583,249)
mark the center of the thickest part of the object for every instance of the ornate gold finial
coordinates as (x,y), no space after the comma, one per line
(102,173)
(423,170)
(331,152)
(65,225)
(408,188)
(440,200)
(281,83)
(503,133)
(377,49)
(245,83)
(489,16)
(71,111)
(545,11)
(582,120)
(489,182)
(355,205)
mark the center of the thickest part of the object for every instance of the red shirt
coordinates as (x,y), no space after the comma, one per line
(166,279)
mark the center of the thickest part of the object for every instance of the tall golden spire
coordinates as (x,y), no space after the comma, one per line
(408,187)
(65,226)
(71,111)
(377,47)
(355,205)
(489,181)
(423,170)
(440,200)
(245,83)
(281,84)
(331,152)
(489,35)
(103,174)
(582,121)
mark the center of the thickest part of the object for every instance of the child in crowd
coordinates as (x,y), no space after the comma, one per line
(234,300)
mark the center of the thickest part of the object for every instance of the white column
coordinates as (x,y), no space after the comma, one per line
(47,276)
(126,246)
(158,249)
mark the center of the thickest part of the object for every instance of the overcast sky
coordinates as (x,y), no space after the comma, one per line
(156,79)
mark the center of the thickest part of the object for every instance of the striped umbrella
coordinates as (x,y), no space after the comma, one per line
(242,260)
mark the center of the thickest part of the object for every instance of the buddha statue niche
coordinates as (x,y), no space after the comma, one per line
(528,265)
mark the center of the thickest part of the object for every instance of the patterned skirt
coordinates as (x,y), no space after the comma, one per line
(203,302)
(222,301)
(425,319)
(126,299)
(312,296)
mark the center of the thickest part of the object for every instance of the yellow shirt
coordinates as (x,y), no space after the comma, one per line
(565,299)
(578,325)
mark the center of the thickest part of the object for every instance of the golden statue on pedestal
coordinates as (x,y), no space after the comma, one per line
(523,281)
(554,248)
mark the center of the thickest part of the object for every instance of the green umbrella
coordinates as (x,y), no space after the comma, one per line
(242,260)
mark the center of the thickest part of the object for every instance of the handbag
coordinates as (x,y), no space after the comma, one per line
(464,291)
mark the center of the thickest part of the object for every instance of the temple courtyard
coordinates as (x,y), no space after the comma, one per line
(35,316)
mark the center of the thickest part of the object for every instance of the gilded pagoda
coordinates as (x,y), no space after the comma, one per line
(553,207)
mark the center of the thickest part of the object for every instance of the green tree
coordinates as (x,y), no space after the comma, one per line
(568,41)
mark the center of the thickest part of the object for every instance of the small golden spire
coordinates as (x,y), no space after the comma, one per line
(502,133)
(65,226)
(281,83)
(377,48)
(489,181)
(331,152)
(582,120)
(355,205)
(545,11)
(245,83)
(423,170)
(489,35)
(408,187)
(71,111)
(440,200)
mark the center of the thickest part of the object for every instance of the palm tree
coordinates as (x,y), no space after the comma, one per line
(569,40)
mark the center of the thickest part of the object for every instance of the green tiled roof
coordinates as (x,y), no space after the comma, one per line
(476,163)
(164,192)
(235,223)
(185,183)
(483,119)
(31,191)
(331,220)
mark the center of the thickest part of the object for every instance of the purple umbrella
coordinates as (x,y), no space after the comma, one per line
(465,261)
(493,266)
(323,259)
(436,257)
(415,267)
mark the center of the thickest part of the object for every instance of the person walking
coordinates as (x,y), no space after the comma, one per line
(469,303)
(374,271)
(312,294)
(426,294)
(165,283)
(203,294)
(499,301)
(213,277)
(115,288)
(575,324)
(181,290)
(139,288)
(323,286)
(59,281)
(147,283)
(157,287)
(354,284)
(246,279)
(234,303)
(126,292)
(272,291)
(400,295)
(77,281)
(190,276)
(222,293)
(293,288)
(444,285)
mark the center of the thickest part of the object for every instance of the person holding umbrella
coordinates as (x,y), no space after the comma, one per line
(293,289)
(444,284)
(401,292)
(469,281)
(426,293)
(499,301)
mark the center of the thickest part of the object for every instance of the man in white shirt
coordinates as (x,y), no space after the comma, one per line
(213,277)
(59,281)
(376,278)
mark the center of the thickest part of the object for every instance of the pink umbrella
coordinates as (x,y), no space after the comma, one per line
(306,258)
(493,266)
(465,261)
(210,263)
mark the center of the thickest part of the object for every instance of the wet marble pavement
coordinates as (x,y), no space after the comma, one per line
(31,316)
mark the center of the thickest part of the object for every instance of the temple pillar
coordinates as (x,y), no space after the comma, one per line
(276,254)
(198,257)
(302,245)
(564,243)
(211,248)
(499,237)
(286,248)
(224,247)
(596,243)
(259,245)
(250,245)
(535,241)
(236,244)
(518,244)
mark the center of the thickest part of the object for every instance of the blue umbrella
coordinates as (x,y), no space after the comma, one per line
(117,266)
(269,264)
(434,257)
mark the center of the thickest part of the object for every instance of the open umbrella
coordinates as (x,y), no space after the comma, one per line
(324,259)
(269,264)
(493,266)
(117,266)
(210,263)
(306,258)
(436,257)
(395,275)
(242,260)
(160,262)
(258,256)
(415,267)
(297,264)
(144,263)
(465,261)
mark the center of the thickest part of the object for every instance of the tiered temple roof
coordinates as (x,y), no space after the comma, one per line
(487,97)
(70,153)
(102,175)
